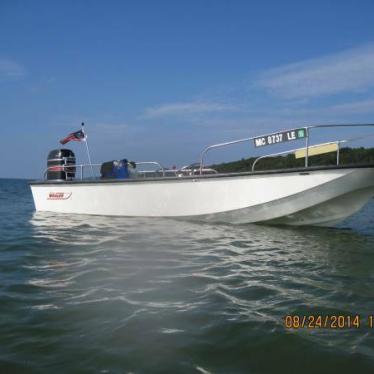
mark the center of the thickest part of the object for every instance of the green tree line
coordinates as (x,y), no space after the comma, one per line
(347,156)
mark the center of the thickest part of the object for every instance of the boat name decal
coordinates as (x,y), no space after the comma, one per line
(280,137)
(59,195)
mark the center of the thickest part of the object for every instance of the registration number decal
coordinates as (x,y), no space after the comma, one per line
(280,137)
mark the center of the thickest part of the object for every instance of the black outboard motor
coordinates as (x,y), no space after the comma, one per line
(59,161)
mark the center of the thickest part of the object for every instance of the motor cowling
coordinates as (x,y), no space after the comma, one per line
(61,164)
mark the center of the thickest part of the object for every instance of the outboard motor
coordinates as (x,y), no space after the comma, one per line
(59,161)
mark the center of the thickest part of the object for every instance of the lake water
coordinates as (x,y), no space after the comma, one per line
(123,295)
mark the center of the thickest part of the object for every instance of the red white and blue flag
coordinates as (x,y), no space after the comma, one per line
(77,136)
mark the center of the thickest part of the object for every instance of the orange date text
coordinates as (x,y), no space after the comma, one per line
(322,321)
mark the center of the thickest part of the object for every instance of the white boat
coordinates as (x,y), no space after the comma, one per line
(320,196)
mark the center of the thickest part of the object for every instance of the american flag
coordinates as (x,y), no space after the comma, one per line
(77,136)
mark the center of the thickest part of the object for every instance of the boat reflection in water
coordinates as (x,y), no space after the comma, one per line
(145,282)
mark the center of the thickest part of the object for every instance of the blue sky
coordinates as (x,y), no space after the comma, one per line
(159,80)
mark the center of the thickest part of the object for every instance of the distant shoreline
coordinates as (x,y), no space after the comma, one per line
(347,156)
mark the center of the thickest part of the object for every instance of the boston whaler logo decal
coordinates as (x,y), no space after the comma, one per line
(59,195)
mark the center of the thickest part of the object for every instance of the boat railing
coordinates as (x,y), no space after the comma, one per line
(151,163)
(336,149)
(69,167)
(94,170)
(306,138)
(160,171)
(185,171)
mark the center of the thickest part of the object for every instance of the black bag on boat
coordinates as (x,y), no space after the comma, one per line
(115,169)
(107,169)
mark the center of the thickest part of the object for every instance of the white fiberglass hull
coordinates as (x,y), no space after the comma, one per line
(308,197)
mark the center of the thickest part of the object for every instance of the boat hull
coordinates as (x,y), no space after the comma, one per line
(305,197)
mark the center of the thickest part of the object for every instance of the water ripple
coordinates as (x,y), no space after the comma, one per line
(116,294)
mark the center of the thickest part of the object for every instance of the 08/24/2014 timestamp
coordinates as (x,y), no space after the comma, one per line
(355,321)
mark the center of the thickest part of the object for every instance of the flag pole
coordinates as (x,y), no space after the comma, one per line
(88,150)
